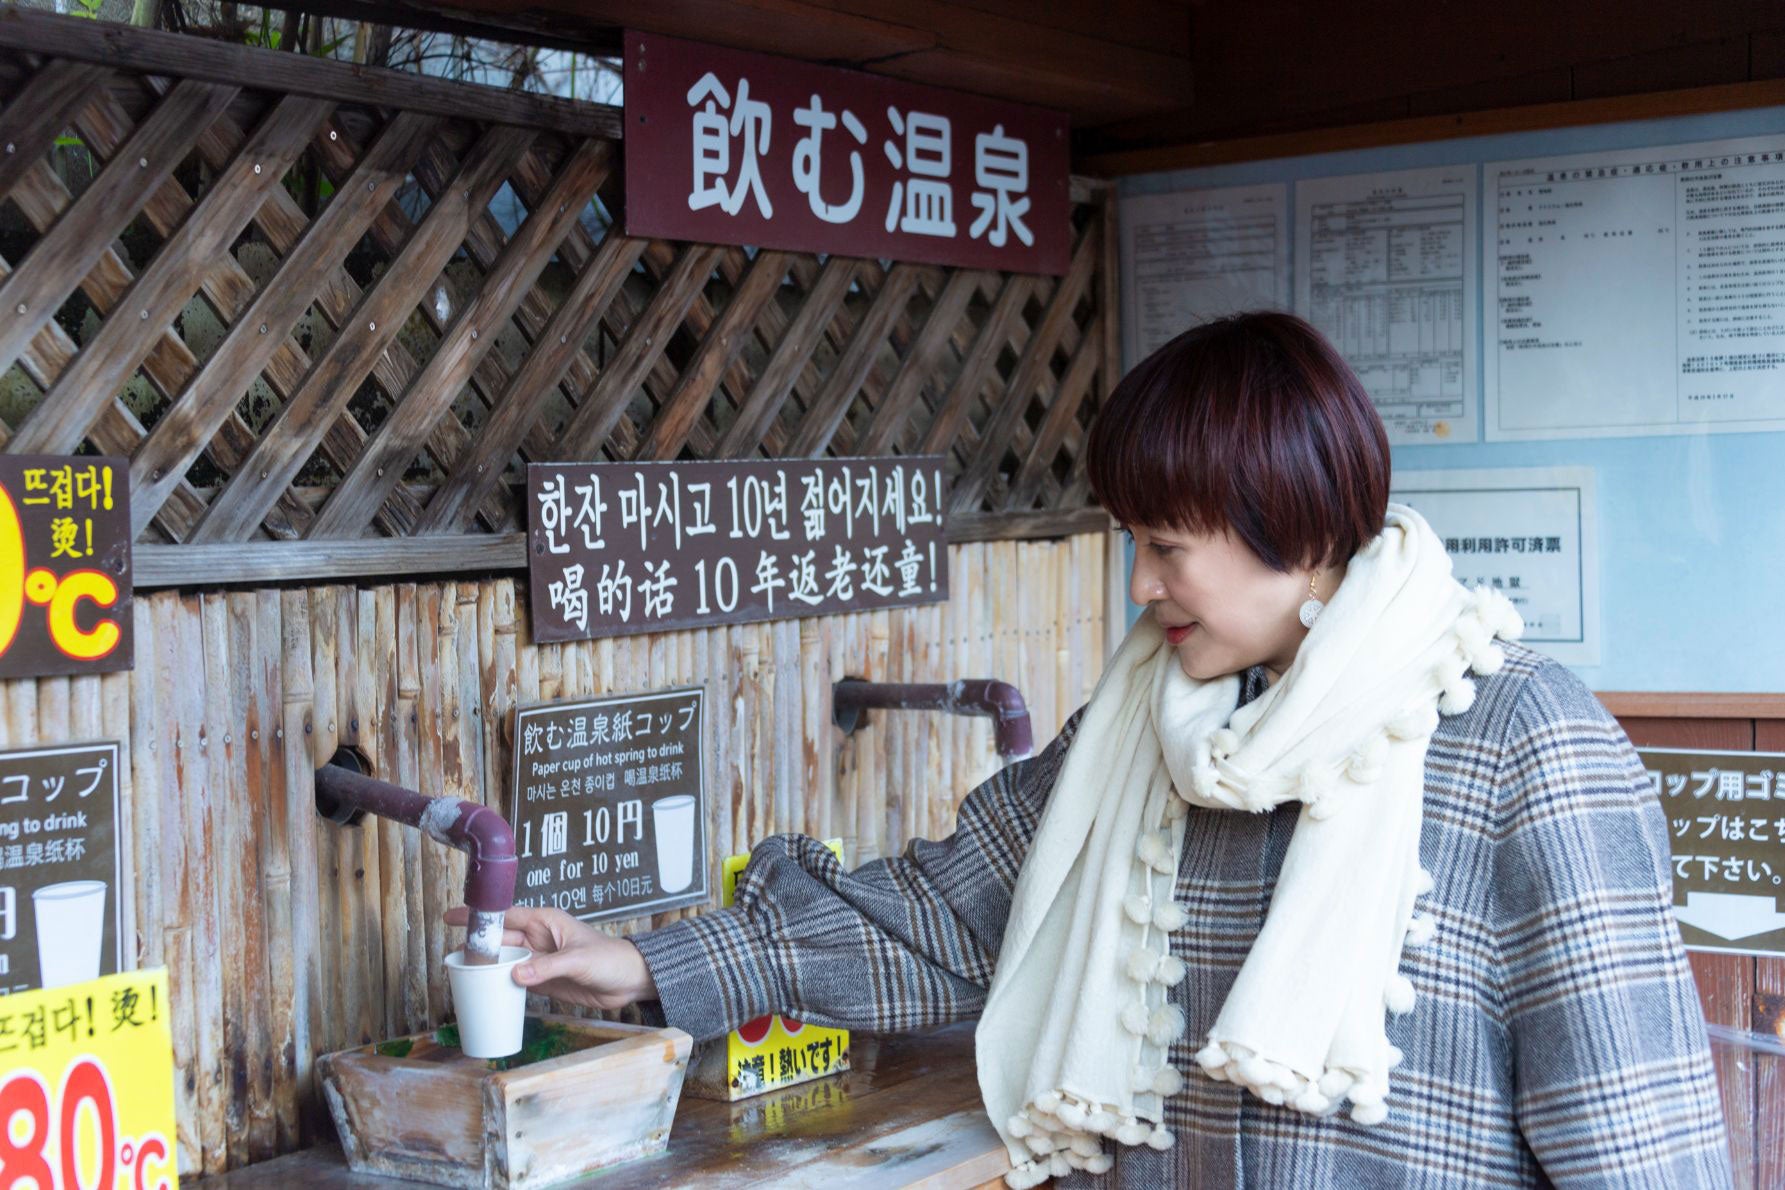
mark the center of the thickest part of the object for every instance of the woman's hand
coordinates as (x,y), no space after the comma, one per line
(572,961)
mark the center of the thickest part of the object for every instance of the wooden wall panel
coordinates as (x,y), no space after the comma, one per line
(1384,60)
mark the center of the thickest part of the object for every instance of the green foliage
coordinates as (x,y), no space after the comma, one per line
(539,1041)
(266,37)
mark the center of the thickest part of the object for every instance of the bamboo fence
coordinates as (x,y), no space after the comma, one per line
(287,936)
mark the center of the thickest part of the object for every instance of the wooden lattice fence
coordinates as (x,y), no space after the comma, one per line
(329,313)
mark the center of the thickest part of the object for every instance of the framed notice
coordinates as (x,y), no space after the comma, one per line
(1530,533)
(617,548)
(1385,268)
(1637,292)
(1726,827)
(65,580)
(1194,256)
(60,913)
(609,805)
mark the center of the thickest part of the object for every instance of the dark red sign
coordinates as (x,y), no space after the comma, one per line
(729,147)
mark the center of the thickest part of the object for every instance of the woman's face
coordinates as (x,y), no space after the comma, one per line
(1222,608)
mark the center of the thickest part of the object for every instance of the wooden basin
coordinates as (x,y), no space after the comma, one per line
(434,1115)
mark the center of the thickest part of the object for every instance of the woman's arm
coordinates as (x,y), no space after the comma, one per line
(896,944)
(1611,1064)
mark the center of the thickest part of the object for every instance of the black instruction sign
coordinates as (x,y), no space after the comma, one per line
(616,548)
(608,808)
(1726,828)
(59,862)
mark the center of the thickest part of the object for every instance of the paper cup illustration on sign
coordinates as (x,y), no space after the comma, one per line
(673,820)
(70,931)
(492,1007)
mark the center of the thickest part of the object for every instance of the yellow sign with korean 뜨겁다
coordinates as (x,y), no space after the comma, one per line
(87,1086)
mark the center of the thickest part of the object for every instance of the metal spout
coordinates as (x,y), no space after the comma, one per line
(344,794)
(1011,730)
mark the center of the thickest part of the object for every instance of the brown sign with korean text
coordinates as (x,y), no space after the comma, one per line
(730,147)
(59,860)
(65,581)
(609,809)
(618,548)
(1726,827)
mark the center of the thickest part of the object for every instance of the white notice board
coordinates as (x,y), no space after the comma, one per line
(1671,392)
(1191,257)
(1639,291)
(1385,266)
(1532,534)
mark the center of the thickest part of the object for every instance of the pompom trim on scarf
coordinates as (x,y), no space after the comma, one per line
(1064,1132)
(1452,693)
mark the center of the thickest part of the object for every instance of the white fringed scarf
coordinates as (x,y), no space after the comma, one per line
(1072,1045)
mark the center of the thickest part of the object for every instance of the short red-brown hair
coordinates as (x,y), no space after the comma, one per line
(1251,423)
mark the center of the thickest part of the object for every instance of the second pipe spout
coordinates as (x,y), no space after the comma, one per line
(1011,730)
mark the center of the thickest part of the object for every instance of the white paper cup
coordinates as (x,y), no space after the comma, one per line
(492,1007)
(70,931)
(672,820)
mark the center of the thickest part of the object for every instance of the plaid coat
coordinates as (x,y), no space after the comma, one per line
(1557,1037)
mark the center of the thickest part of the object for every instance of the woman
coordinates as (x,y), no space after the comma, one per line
(1325,887)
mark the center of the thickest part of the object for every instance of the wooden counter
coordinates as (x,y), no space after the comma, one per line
(908,1114)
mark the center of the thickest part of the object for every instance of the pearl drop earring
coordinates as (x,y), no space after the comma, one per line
(1312,607)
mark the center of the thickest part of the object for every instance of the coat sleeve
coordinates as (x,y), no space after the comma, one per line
(897,944)
(1612,1069)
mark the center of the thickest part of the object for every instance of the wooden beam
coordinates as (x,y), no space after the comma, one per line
(1061,416)
(919,365)
(317,560)
(128,48)
(825,34)
(976,369)
(1158,26)
(1529,118)
(1012,56)
(645,340)
(476,473)
(725,339)
(998,433)
(253,562)
(832,404)
(1026,526)
(1643,704)
(106,125)
(792,355)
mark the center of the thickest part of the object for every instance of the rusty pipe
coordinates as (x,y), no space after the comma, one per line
(344,795)
(971,696)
